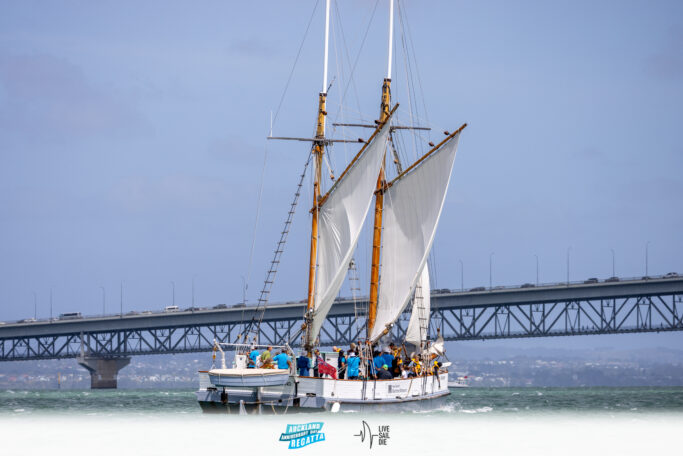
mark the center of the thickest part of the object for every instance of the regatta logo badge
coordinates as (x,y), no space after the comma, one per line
(381,437)
(301,435)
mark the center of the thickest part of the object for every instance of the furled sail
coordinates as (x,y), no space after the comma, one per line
(419,317)
(339,223)
(412,207)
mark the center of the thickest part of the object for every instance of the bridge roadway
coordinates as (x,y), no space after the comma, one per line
(626,306)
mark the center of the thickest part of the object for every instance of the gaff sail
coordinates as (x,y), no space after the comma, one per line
(340,221)
(412,207)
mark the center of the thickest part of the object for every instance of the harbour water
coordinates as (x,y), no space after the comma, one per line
(462,401)
(481,421)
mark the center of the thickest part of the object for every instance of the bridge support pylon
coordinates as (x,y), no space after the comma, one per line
(103,371)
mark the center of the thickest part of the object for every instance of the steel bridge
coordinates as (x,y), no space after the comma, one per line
(559,310)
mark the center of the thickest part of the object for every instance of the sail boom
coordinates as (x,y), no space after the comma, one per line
(316,140)
(425,156)
(339,226)
(360,152)
(413,206)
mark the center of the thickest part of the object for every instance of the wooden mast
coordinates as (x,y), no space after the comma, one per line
(318,150)
(381,186)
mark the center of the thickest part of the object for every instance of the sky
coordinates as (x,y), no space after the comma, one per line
(133,152)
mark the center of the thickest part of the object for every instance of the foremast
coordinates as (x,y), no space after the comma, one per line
(318,151)
(381,187)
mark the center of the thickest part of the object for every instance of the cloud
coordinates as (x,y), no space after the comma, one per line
(49,97)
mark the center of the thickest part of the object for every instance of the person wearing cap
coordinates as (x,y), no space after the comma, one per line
(388,357)
(383,373)
(352,365)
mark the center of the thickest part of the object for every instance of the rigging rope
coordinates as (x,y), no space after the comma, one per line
(296,60)
(253,327)
(265,155)
(353,69)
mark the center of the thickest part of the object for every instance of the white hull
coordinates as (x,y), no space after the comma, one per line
(311,393)
(241,378)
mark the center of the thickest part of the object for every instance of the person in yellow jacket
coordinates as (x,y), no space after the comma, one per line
(435,367)
(417,365)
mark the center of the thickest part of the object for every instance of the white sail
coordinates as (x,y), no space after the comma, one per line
(412,207)
(339,224)
(419,317)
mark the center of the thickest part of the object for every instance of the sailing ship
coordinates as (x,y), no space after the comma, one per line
(407,209)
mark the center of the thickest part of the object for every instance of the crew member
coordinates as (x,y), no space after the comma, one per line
(283,360)
(266,358)
(352,365)
(303,363)
(253,355)
(383,373)
(341,364)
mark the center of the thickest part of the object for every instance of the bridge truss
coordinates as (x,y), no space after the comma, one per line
(451,315)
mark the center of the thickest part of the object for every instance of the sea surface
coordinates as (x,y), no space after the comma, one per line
(462,401)
(473,421)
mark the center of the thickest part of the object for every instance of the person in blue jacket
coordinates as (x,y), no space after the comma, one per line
(341,364)
(252,358)
(388,358)
(303,363)
(352,365)
(283,360)
(377,359)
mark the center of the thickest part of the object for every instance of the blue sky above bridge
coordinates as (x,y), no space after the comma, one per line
(132,143)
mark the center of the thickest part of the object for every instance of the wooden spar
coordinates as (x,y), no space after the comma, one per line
(360,152)
(318,150)
(379,206)
(393,127)
(324,141)
(421,159)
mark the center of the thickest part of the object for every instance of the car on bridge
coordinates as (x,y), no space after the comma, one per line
(671,275)
(440,291)
(591,280)
(70,316)
(220,306)
(612,279)
(528,285)
(171,309)
(478,289)
(27,320)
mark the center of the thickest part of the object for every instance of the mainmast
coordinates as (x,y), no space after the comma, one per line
(381,187)
(318,150)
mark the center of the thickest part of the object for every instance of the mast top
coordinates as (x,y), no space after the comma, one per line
(327,39)
(391,36)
